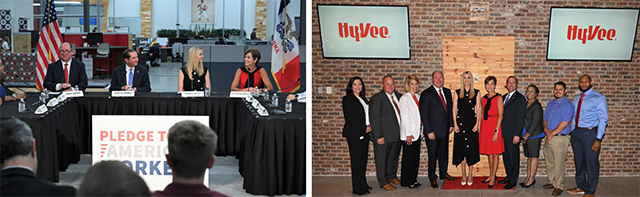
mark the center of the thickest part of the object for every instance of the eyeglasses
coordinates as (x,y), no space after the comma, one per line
(63,51)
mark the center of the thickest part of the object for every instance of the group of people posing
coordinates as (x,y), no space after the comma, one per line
(491,125)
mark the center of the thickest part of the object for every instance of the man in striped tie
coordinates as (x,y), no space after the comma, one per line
(66,72)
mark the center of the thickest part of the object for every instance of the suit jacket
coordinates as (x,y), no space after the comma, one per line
(513,116)
(23,182)
(533,119)
(140,78)
(355,124)
(6,89)
(382,117)
(410,113)
(55,75)
(433,114)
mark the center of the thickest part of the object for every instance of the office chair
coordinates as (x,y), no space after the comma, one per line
(102,53)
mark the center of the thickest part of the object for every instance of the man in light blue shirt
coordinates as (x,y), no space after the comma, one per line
(589,123)
(556,125)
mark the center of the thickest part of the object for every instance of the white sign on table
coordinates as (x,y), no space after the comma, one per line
(140,142)
(123,93)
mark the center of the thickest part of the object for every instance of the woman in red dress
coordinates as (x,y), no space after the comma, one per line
(490,139)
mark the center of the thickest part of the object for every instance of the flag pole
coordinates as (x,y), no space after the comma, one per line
(284,47)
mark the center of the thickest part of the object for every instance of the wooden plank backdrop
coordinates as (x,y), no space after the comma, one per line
(483,56)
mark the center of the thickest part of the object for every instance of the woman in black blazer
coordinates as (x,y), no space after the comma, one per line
(532,134)
(355,108)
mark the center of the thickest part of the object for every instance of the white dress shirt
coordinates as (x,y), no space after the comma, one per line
(394,107)
(366,109)
(438,92)
(129,73)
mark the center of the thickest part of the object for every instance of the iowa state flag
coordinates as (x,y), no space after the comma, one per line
(285,57)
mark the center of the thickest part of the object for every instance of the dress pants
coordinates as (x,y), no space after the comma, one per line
(410,162)
(359,151)
(511,160)
(386,161)
(586,161)
(555,154)
(438,149)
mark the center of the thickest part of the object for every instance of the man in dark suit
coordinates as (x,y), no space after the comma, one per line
(384,116)
(121,78)
(19,164)
(437,121)
(66,72)
(515,106)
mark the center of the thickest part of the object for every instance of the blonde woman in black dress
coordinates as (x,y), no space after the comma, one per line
(466,107)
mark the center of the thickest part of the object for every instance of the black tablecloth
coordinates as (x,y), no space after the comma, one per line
(271,150)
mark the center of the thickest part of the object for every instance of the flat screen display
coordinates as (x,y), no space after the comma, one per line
(593,34)
(364,32)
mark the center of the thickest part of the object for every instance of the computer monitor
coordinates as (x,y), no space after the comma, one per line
(94,38)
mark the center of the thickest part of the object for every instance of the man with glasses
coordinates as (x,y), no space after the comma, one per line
(66,72)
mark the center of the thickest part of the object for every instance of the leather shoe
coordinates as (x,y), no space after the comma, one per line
(548,186)
(575,191)
(365,193)
(588,195)
(434,184)
(388,187)
(509,186)
(395,181)
(448,177)
(503,181)
(418,184)
(556,192)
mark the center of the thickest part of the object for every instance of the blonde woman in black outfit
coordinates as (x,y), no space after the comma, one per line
(355,108)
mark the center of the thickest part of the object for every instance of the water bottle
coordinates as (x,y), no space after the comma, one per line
(274,99)
(256,92)
(76,88)
(287,106)
(46,93)
(129,88)
(207,92)
(22,106)
(43,97)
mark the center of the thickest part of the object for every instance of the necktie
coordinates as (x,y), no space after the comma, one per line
(579,105)
(66,73)
(130,76)
(396,105)
(442,99)
(507,100)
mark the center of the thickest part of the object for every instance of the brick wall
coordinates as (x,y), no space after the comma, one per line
(528,22)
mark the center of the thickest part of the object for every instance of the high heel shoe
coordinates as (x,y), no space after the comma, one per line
(470,183)
(487,181)
(463,183)
(528,186)
(490,186)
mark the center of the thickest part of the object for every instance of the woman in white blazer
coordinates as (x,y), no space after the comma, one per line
(410,132)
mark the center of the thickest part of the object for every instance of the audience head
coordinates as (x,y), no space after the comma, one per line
(437,78)
(130,57)
(490,83)
(251,57)
(192,146)
(112,178)
(356,87)
(585,83)
(17,145)
(532,92)
(388,85)
(65,52)
(411,84)
(559,89)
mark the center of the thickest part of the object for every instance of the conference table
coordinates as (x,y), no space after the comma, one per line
(270,149)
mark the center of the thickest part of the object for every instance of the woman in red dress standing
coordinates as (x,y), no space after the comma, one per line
(490,139)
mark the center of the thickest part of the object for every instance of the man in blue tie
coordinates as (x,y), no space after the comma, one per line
(130,76)
(515,106)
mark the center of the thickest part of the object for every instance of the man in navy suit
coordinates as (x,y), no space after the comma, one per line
(384,116)
(130,75)
(19,164)
(66,72)
(515,106)
(437,121)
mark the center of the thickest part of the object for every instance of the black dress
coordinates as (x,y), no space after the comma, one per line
(465,142)
(198,82)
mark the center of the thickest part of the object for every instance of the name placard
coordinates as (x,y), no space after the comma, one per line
(52,103)
(239,94)
(42,109)
(75,94)
(255,104)
(62,97)
(262,111)
(123,94)
(186,94)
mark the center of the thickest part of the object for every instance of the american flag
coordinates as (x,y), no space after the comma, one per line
(49,43)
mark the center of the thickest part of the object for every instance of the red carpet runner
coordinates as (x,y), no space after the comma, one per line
(456,185)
